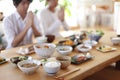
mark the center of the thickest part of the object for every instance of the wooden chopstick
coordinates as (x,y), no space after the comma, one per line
(74,70)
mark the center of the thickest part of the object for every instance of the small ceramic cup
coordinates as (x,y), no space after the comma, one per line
(41,39)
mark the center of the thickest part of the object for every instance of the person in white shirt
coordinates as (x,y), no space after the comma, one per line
(20,25)
(51,20)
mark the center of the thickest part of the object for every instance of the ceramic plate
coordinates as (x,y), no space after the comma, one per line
(78,59)
(105,48)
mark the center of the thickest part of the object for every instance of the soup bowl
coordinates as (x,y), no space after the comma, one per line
(28,66)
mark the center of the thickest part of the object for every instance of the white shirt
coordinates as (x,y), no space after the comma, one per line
(50,22)
(117,17)
(13,25)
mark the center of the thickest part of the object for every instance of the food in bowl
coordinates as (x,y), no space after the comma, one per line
(52,67)
(44,50)
(115,40)
(71,43)
(28,66)
(15,60)
(66,42)
(44,60)
(84,48)
(45,46)
(91,42)
(95,35)
(64,50)
(64,60)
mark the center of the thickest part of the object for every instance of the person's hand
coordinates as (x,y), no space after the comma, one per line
(61,14)
(29,19)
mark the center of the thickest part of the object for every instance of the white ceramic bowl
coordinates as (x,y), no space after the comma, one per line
(115,40)
(84,48)
(42,39)
(28,70)
(91,42)
(44,50)
(52,67)
(64,50)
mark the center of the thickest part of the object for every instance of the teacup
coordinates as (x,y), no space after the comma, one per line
(50,38)
(41,39)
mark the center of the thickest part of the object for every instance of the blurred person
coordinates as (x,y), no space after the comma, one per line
(20,25)
(52,19)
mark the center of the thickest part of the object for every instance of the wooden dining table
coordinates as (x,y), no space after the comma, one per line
(100,60)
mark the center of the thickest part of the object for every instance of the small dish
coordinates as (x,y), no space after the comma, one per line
(80,58)
(91,42)
(66,43)
(25,51)
(2,60)
(115,40)
(95,37)
(64,50)
(106,48)
(84,48)
(15,60)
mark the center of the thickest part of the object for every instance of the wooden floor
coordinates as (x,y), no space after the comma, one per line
(109,73)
